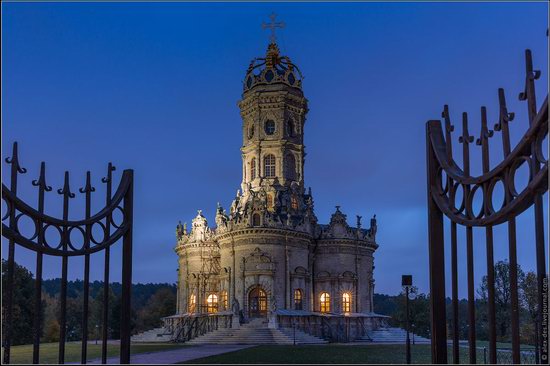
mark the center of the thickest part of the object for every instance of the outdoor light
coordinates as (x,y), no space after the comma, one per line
(406,281)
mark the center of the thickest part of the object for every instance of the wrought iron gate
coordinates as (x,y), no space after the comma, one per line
(445,177)
(112,231)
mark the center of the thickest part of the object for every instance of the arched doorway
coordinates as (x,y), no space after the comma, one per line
(257,303)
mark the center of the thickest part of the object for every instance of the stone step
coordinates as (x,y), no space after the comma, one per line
(153,335)
(392,335)
(253,335)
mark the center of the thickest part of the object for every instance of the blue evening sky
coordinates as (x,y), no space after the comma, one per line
(154,87)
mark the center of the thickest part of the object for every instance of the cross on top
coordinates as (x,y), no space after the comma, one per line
(272,26)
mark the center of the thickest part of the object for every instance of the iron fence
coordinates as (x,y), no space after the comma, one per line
(446,177)
(38,242)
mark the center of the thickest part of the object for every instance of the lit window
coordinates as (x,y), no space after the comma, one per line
(294,202)
(192,303)
(270,203)
(269,127)
(346,302)
(256,220)
(269,166)
(262,300)
(324,301)
(224,300)
(298,299)
(253,168)
(212,303)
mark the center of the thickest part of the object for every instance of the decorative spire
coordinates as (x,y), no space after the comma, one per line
(273,25)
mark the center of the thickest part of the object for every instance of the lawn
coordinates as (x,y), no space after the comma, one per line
(49,351)
(370,354)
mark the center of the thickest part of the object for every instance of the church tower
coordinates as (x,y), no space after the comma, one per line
(267,256)
(273,110)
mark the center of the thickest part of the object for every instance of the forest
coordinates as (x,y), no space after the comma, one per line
(151,302)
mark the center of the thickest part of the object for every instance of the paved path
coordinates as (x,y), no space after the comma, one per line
(177,355)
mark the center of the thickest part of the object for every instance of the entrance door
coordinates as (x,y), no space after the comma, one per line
(257,303)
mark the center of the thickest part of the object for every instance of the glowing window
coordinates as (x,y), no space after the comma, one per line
(212,303)
(269,166)
(294,202)
(346,302)
(269,127)
(253,168)
(192,303)
(298,302)
(225,303)
(324,301)
(270,202)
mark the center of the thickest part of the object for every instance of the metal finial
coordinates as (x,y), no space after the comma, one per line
(503,119)
(485,133)
(41,181)
(110,169)
(66,190)
(273,25)
(465,140)
(88,187)
(14,160)
(449,128)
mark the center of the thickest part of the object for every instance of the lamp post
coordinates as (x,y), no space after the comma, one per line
(406,281)
(96,333)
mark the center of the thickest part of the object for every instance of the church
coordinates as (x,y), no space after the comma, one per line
(267,256)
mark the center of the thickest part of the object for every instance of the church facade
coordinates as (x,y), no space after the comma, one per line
(267,254)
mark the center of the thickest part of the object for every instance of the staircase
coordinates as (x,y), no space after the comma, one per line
(255,332)
(152,336)
(392,335)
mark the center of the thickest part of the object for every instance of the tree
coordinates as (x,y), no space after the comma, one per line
(502,297)
(419,312)
(161,304)
(23,303)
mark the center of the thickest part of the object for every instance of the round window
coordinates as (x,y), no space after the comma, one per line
(269,127)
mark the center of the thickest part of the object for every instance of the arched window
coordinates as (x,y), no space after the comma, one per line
(212,303)
(294,202)
(270,202)
(269,127)
(298,301)
(192,303)
(324,301)
(346,302)
(253,169)
(225,303)
(290,167)
(290,127)
(269,166)
(256,220)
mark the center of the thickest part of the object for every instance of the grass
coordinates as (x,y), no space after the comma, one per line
(361,354)
(504,345)
(49,351)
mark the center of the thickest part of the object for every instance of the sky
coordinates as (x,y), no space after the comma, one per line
(154,87)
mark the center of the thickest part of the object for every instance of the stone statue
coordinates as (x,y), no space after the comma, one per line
(235,306)
(273,304)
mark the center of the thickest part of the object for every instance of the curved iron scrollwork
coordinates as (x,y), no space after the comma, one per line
(96,232)
(470,201)
(528,151)
(65,246)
